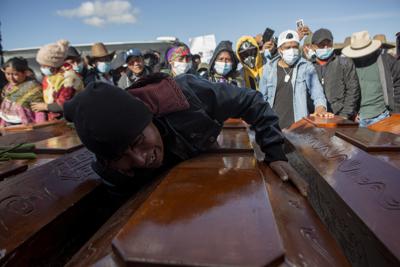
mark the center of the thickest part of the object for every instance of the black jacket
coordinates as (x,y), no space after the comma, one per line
(340,82)
(391,70)
(189,132)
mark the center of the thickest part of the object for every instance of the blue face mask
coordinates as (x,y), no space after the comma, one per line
(324,53)
(222,68)
(46,71)
(267,54)
(104,67)
(78,68)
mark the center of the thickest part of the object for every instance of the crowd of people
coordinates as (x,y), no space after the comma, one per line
(180,103)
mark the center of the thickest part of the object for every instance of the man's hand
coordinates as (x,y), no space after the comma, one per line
(37,107)
(286,172)
(320,111)
(303,31)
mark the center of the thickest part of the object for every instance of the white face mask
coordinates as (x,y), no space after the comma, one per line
(222,68)
(181,67)
(290,56)
(46,71)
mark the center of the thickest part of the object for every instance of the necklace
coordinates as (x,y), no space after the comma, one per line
(287,74)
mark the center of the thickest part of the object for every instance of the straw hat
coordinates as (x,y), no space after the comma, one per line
(385,43)
(99,50)
(361,45)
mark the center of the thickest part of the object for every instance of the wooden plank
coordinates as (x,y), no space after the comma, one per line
(203,218)
(235,124)
(59,144)
(354,193)
(29,127)
(330,122)
(33,200)
(9,168)
(232,141)
(391,124)
(100,244)
(369,140)
(34,135)
(306,240)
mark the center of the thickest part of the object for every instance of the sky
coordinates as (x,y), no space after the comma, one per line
(33,23)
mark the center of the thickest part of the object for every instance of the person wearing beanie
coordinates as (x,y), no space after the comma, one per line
(337,75)
(136,132)
(289,80)
(60,81)
(136,68)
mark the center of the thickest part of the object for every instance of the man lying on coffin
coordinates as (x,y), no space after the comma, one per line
(136,132)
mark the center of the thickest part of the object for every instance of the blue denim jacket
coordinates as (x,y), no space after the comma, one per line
(304,79)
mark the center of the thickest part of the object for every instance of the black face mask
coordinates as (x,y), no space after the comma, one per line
(367,60)
(248,54)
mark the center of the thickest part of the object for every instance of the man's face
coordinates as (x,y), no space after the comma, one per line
(145,152)
(288,45)
(224,56)
(324,44)
(136,64)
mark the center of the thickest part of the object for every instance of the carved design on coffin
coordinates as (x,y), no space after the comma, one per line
(360,244)
(74,168)
(352,170)
(22,205)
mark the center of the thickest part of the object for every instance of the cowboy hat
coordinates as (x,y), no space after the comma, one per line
(99,50)
(361,45)
(385,43)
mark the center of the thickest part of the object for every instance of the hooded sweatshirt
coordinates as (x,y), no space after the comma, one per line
(251,75)
(233,77)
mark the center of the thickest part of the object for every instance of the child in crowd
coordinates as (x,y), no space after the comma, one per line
(18,95)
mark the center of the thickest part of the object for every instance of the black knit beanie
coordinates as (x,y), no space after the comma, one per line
(107,118)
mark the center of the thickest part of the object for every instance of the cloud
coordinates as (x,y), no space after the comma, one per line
(99,13)
(359,17)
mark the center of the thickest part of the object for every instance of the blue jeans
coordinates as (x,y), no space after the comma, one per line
(367,122)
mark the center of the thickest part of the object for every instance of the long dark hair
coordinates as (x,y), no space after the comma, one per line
(20,64)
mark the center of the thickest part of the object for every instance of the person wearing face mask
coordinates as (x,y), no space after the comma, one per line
(77,63)
(179,60)
(337,75)
(287,80)
(100,61)
(223,65)
(60,81)
(308,50)
(249,56)
(136,68)
(379,77)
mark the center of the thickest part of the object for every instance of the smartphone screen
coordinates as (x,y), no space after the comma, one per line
(300,23)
